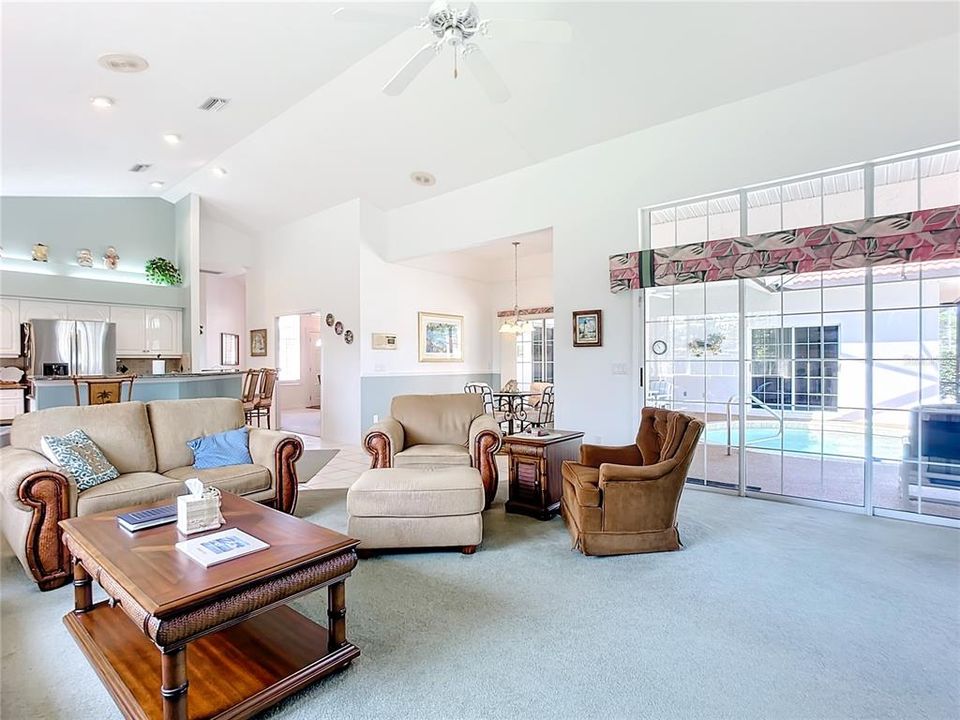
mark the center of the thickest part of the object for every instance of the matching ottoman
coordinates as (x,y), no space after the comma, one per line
(416,508)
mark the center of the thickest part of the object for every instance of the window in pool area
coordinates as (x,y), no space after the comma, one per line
(840,386)
(535,353)
(795,368)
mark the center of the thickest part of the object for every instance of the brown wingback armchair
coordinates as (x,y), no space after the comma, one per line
(436,431)
(621,500)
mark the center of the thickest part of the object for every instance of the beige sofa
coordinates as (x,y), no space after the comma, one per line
(428,432)
(146,442)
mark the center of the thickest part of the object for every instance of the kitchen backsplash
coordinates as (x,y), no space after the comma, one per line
(144,366)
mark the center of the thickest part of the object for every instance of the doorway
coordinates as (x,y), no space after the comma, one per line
(300,374)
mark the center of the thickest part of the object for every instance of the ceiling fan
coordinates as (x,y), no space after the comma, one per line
(461,29)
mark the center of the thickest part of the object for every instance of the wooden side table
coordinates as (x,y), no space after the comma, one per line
(534,462)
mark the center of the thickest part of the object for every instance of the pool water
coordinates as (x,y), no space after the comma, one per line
(807,440)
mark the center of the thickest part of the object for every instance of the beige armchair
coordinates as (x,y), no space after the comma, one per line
(436,431)
(621,500)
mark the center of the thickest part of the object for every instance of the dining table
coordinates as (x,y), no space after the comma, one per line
(511,404)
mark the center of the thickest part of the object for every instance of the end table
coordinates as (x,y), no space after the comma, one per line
(534,462)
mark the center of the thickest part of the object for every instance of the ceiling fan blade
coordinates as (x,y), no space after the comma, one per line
(486,75)
(355,14)
(414,66)
(545,31)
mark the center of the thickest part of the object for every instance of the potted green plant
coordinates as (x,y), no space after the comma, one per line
(161,271)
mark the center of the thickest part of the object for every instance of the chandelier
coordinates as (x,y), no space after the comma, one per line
(514,326)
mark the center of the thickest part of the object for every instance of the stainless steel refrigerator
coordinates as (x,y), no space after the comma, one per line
(71,347)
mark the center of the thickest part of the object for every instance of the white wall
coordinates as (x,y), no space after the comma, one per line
(187,243)
(392,297)
(891,104)
(313,264)
(223,302)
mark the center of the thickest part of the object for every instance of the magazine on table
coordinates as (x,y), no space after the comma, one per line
(220,546)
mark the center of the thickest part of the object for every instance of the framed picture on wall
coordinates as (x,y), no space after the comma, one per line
(441,337)
(258,343)
(587,328)
(229,349)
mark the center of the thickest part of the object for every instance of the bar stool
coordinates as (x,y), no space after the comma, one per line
(104,390)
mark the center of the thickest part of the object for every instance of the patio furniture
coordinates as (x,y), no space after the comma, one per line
(513,407)
(486,392)
(622,500)
(413,508)
(104,390)
(430,432)
(540,416)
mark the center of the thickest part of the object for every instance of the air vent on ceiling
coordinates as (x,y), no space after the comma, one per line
(213,104)
(211,272)
(123,62)
(141,167)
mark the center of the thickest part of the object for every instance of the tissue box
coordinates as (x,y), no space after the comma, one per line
(196,513)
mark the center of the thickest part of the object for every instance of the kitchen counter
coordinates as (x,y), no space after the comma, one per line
(58,392)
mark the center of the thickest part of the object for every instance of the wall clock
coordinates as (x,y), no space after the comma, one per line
(659,347)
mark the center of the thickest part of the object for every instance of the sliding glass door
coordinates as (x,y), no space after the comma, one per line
(838,387)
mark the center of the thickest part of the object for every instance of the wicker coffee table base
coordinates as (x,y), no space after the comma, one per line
(232,669)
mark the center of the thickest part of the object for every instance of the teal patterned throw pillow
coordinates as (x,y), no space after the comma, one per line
(77,454)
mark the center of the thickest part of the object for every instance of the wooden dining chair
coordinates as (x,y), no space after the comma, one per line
(263,403)
(104,390)
(248,392)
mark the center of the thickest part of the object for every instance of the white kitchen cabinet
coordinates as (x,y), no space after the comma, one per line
(131,330)
(88,311)
(9,327)
(147,331)
(164,331)
(42,310)
(11,403)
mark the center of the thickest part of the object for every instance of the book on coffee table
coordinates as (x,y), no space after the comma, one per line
(220,546)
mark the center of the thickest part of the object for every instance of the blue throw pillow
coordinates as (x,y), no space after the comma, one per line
(222,449)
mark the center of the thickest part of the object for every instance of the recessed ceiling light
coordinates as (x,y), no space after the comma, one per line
(102,101)
(123,62)
(157,184)
(171,138)
(140,167)
(219,171)
(423,178)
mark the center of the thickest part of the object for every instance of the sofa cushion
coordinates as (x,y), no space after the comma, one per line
(231,447)
(121,431)
(138,488)
(239,479)
(424,456)
(436,419)
(405,492)
(585,481)
(176,422)
(79,455)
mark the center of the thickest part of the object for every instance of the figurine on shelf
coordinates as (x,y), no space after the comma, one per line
(84,257)
(39,253)
(110,258)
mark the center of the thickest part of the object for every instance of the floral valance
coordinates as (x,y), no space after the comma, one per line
(904,238)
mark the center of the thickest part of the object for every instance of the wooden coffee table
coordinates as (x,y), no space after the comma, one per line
(247,649)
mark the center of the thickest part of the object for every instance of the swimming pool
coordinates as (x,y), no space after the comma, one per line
(803,439)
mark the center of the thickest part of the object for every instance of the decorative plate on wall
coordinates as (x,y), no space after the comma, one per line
(330,319)
(338,328)
(348,337)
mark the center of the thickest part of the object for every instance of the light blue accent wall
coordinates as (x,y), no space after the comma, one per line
(139,228)
(62,394)
(376,391)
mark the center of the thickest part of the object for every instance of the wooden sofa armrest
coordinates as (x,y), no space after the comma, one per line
(279,452)
(382,441)
(484,442)
(32,484)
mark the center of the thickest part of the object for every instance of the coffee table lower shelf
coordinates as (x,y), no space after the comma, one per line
(234,673)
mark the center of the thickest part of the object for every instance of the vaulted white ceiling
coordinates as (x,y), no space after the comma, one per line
(308,127)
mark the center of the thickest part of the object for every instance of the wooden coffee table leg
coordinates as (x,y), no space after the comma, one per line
(337,615)
(82,588)
(173,673)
